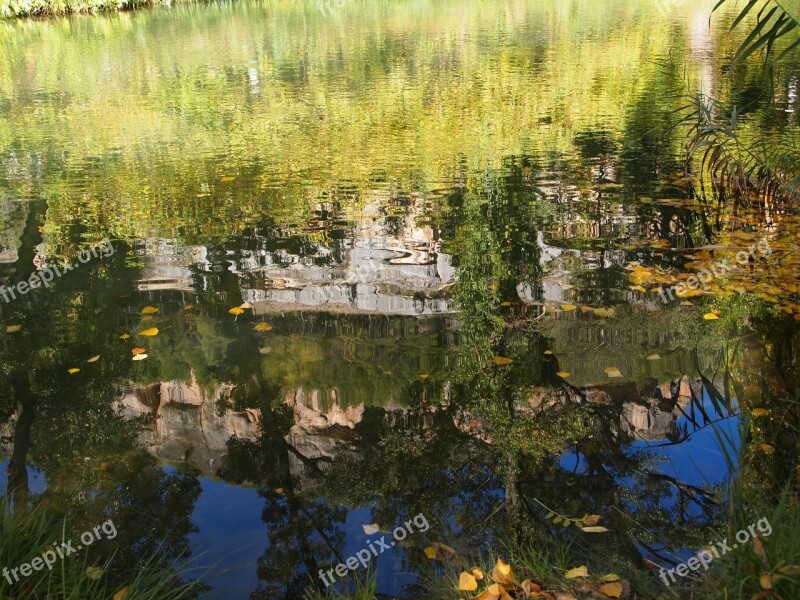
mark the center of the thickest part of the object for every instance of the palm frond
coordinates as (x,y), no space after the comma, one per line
(775,20)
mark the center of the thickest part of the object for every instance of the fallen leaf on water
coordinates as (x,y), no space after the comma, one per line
(371,529)
(760,412)
(278,490)
(613,372)
(467,582)
(245,305)
(228,177)
(136,351)
(590,520)
(153,331)
(124,336)
(72,371)
(13,328)
(236,310)
(604,312)
(140,357)
(548,352)
(263,327)
(506,303)
(439,552)
(594,529)
(149,310)
(586,309)
(563,374)
(765,581)
(423,375)
(120,595)
(612,590)
(93,572)
(654,357)
(93,359)
(502,360)
(530,588)
(502,573)
(758,548)
(568,307)
(710,316)
(581,571)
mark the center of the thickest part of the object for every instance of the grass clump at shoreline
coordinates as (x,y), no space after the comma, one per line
(27,534)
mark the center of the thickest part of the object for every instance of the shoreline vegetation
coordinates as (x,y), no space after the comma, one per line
(13,9)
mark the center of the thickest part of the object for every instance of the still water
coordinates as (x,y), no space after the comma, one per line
(402,195)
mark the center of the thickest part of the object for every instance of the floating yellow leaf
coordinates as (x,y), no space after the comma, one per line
(467,582)
(136,351)
(502,573)
(371,529)
(586,309)
(94,572)
(760,412)
(149,310)
(568,307)
(245,305)
(263,327)
(590,520)
(654,357)
(439,551)
(502,360)
(72,371)
(236,310)
(423,375)
(710,316)
(153,331)
(765,581)
(140,356)
(612,590)
(581,571)
(530,588)
(613,372)
(228,177)
(124,336)
(506,303)
(120,595)
(548,352)
(93,359)
(278,490)
(563,374)
(603,312)
(13,328)
(594,529)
